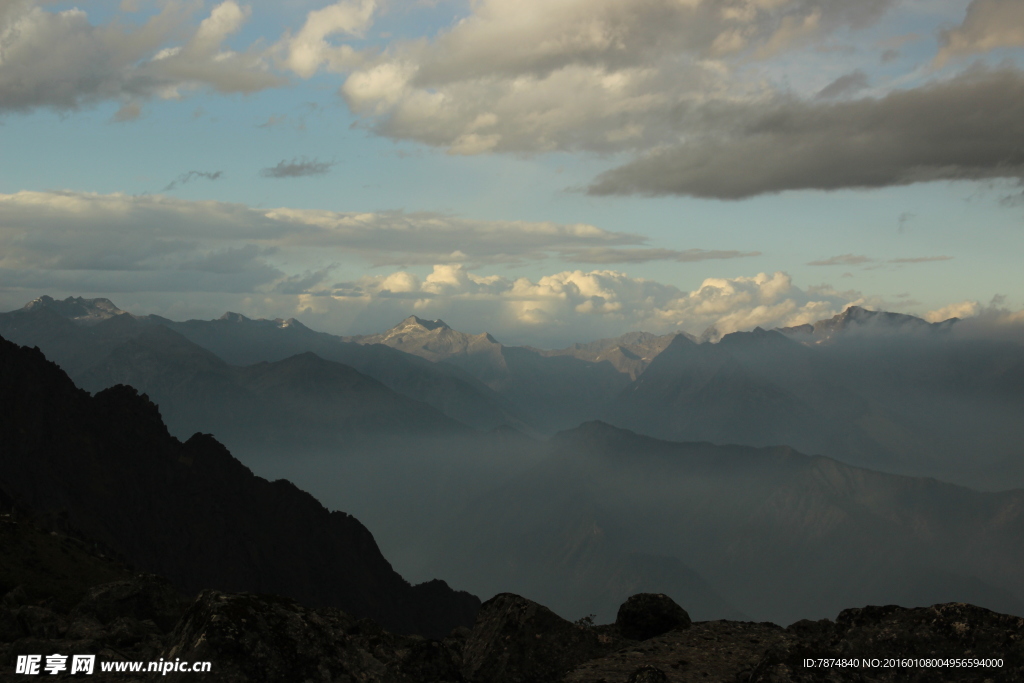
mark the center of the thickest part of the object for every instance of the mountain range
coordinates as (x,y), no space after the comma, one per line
(773,474)
(880,390)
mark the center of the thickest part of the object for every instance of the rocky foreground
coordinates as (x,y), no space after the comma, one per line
(269,639)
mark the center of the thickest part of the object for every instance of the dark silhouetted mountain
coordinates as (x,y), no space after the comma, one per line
(781,535)
(550,391)
(107,466)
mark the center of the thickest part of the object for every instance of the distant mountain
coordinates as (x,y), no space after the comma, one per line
(76,309)
(780,535)
(107,467)
(431,339)
(884,391)
(630,354)
(857,321)
(551,391)
(57,328)
(299,402)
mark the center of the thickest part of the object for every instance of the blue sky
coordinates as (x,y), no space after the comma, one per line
(546,171)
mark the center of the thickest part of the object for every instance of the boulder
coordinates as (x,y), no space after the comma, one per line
(646,615)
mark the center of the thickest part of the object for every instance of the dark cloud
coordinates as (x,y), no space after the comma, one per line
(921,259)
(610,255)
(190,176)
(847,84)
(274,120)
(129,111)
(301,284)
(297,168)
(968,128)
(841,260)
(903,219)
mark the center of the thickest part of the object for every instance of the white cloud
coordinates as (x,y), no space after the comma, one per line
(963,309)
(575,305)
(309,50)
(61,60)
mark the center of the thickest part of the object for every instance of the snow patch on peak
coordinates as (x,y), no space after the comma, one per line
(77,309)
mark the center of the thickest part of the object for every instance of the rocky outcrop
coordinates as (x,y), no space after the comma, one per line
(266,639)
(515,640)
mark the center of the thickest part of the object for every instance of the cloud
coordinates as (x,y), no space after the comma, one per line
(60,242)
(190,176)
(61,60)
(273,120)
(963,309)
(129,111)
(612,255)
(573,305)
(966,128)
(297,168)
(847,84)
(989,24)
(601,75)
(921,259)
(309,50)
(163,242)
(841,260)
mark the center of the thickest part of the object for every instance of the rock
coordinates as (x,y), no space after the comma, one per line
(10,627)
(269,639)
(946,631)
(708,651)
(646,615)
(647,674)
(143,597)
(41,622)
(516,640)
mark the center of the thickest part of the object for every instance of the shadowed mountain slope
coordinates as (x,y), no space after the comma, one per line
(107,466)
(781,535)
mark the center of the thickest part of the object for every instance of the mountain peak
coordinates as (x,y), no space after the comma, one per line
(233,317)
(77,309)
(415,321)
(856,318)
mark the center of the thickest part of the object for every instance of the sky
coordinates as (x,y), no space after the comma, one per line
(547,171)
